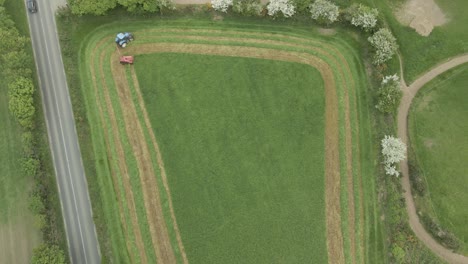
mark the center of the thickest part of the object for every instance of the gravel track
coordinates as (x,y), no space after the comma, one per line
(408,94)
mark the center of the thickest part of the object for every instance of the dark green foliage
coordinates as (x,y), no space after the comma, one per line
(445,237)
(21,102)
(247,7)
(389,97)
(81,7)
(302,6)
(48,254)
(417,181)
(36,204)
(30,166)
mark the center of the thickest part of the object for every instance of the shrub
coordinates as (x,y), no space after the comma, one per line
(417,182)
(30,166)
(362,16)
(384,44)
(283,6)
(389,94)
(48,254)
(302,6)
(443,236)
(324,12)
(393,151)
(221,5)
(21,103)
(247,7)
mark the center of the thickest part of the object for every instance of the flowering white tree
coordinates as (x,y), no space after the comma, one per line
(221,5)
(389,94)
(285,6)
(393,150)
(324,11)
(385,45)
(363,16)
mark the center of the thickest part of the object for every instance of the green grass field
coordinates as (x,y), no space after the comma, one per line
(276,116)
(247,180)
(438,127)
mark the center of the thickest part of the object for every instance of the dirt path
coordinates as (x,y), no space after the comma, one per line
(408,94)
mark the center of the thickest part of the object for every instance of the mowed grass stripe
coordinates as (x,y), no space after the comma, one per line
(130,159)
(150,189)
(158,165)
(352,215)
(280,56)
(96,117)
(108,119)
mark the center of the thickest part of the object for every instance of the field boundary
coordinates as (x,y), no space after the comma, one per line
(332,157)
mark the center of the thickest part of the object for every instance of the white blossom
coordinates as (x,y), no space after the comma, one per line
(385,45)
(221,5)
(285,6)
(390,78)
(393,151)
(324,10)
(364,17)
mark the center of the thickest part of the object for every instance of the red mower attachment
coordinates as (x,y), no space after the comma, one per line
(126,60)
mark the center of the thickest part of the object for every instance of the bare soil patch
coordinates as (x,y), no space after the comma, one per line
(18,237)
(327,31)
(422,15)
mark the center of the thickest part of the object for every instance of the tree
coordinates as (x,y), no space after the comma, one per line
(146,5)
(362,16)
(81,7)
(48,254)
(21,101)
(324,11)
(389,94)
(393,151)
(221,5)
(384,44)
(283,6)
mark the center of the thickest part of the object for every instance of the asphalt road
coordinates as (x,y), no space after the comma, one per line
(63,140)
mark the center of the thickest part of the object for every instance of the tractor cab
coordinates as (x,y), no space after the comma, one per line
(122,39)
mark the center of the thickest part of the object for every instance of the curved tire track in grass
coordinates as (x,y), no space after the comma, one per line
(130,201)
(160,163)
(150,189)
(332,167)
(348,134)
(332,170)
(408,94)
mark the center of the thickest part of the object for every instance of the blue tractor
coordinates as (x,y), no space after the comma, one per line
(123,38)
